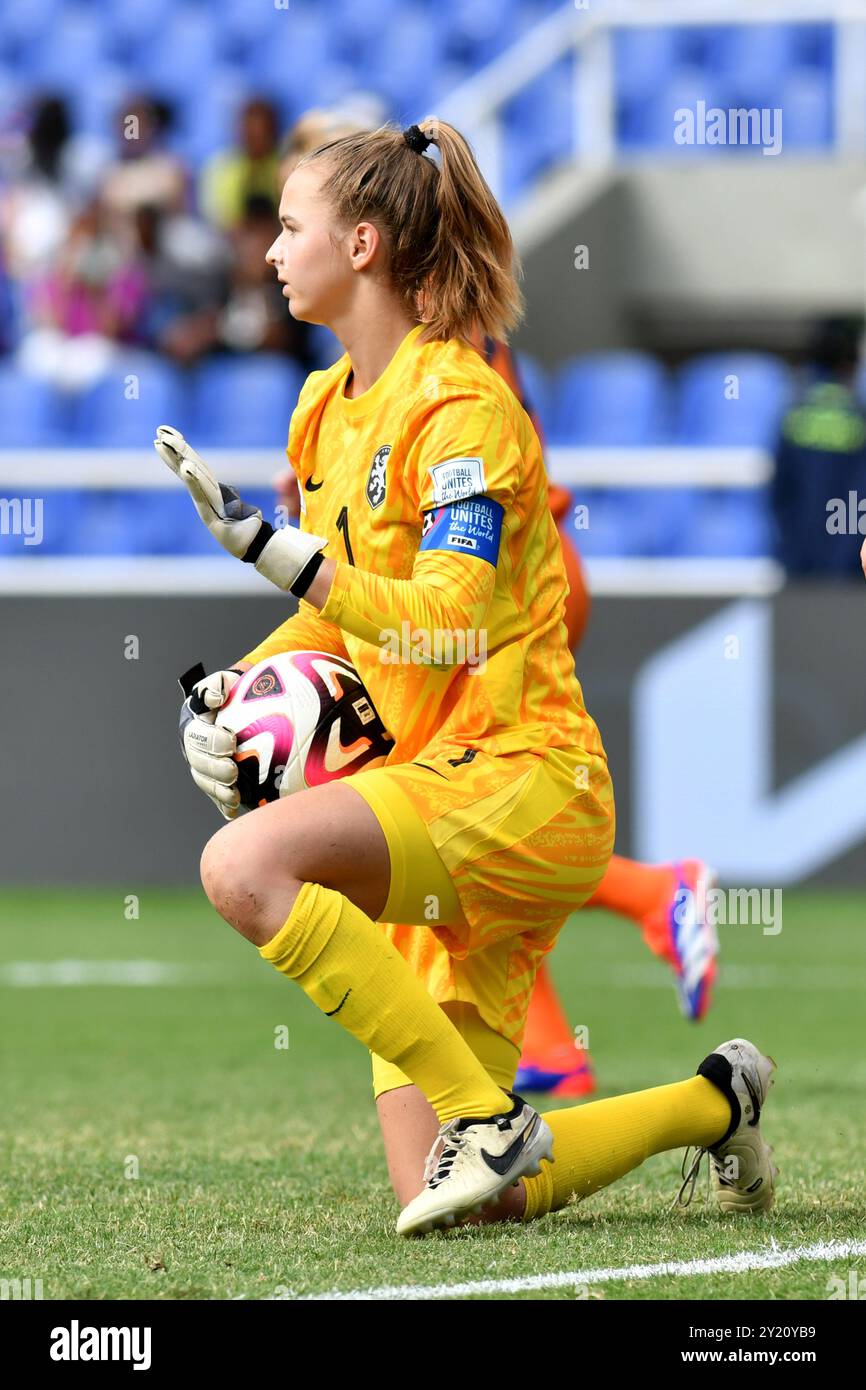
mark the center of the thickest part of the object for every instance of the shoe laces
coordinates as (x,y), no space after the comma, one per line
(690,1177)
(439,1163)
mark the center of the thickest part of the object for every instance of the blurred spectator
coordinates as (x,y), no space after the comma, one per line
(144,172)
(90,300)
(232,177)
(186,268)
(49,177)
(821,461)
(255,318)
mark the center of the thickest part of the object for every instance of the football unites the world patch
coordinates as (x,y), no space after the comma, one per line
(472,527)
(454,479)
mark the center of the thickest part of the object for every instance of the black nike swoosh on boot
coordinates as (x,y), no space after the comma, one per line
(500,1163)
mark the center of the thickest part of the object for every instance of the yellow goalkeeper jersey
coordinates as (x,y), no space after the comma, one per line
(449,590)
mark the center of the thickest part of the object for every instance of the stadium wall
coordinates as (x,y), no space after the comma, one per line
(741,250)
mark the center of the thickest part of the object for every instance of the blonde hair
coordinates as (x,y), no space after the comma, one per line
(451,257)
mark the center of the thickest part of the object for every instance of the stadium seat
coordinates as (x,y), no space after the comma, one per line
(614,398)
(326,348)
(650,122)
(73,48)
(246,400)
(32,413)
(204,128)
(538,389)
(615,521)
(644,57)
(125,407)
(708,413)
(727,524)
(806,100)
(754,53)
(188,37)
(33,525)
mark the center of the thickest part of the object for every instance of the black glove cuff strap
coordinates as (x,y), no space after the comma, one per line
(307,575)
(257,546)
(189,678)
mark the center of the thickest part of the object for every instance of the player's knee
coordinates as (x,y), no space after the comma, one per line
(227,880)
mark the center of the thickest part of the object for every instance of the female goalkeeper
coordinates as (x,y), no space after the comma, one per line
(429,558)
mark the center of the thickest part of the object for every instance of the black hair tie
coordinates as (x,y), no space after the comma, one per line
(416,139)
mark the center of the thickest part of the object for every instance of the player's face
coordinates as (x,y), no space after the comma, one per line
(310,260)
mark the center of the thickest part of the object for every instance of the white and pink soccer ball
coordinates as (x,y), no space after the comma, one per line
(301,719)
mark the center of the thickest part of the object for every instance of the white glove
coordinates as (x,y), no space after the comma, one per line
(207,747)
(279,555)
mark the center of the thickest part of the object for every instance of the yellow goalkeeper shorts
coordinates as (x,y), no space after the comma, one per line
(489,857)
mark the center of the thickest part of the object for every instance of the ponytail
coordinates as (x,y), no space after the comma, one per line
(451,257)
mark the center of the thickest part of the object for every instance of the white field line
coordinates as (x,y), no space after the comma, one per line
(811,979)
(26,974)
(743,1262)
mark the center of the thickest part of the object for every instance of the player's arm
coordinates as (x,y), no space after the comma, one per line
(464,466)
(446,593)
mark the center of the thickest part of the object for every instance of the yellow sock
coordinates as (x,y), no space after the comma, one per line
(352,973)
(595,1144)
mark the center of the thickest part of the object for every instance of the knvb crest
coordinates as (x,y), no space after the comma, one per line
(376,480)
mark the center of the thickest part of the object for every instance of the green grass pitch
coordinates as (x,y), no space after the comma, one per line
(156,1143)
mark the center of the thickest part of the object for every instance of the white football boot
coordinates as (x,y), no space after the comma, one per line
(742,1173)
(472,1162)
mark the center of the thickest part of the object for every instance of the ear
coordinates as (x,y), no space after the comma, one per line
(366,241)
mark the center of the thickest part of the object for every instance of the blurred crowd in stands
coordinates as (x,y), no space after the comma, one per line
(122,244)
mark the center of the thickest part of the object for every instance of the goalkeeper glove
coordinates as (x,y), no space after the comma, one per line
(207,747)
(287,557)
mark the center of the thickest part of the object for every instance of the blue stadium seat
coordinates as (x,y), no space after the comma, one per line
(522,162)
(124,408)
(284,63)
(754,53)
(34,524)
(246,400)
(622,522)
(129,27)
(538,389)
(326,348)
(806,100)
(22,21)
(111,522)
(207,127)
(185,43)
(351,30)
(399,64)
(68,53)
(721,523)
(542,115)
(645,57)
(477,33)
(707,411)
(614,398)
(32,413)
(94,105)
(650,122)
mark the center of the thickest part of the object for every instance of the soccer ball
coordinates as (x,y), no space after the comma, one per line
(301,719)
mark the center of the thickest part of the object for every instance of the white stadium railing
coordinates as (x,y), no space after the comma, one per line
(32,473)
